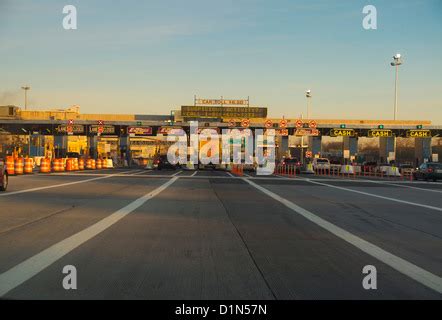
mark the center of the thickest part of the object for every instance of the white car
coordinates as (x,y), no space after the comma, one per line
(321,164)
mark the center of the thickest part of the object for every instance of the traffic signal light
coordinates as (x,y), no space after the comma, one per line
(419,126)
(381,126)
(343,126)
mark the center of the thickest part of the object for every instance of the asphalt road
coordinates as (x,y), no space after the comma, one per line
(135,234)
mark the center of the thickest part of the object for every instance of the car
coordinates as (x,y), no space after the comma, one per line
(292,162)
(335,165)
(3,176)
(369,166)
(163,163)
(429,171)
(73,155)
(406,167)
(321,164)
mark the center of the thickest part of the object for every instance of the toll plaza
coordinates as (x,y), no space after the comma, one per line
(125,138)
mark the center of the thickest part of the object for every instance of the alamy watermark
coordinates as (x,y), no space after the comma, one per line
(70,280)
(232,146)
(370,281)
(70,20)
(370,21)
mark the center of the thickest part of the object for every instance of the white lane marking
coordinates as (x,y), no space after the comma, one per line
(175,174)
(29,268)
(247,175)
(194,174)
(59,185)
(136,172)
(230,174)
(404,186)
(375,195)
(409,269)
(142,172)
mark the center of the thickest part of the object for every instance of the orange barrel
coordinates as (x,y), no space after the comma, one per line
(69,165)
(104,163)
(10,165)
(89,164)
(45,165)
(55,165)
(99,164)
(19,166)
(29,164)
(61,165)
(93,164)
(58,165)
(75,163)
(80,164)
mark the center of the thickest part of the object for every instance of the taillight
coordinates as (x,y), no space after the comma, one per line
(430,170)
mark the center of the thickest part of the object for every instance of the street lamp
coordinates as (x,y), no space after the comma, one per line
(397,61)
(26,88)
(308,95)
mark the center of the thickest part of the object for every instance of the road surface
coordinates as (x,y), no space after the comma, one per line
(135,234)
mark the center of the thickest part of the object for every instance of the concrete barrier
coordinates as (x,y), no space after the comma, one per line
(309,168)
(347,169)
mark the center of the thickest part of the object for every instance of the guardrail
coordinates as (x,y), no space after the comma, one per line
(355,171)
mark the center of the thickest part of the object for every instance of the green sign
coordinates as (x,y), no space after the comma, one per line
(223,112)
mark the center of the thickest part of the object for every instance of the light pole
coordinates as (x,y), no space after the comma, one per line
(308,95)
(397,61)
(26,88)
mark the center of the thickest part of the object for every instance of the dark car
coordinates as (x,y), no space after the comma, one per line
(163,163)
(429,171)
(3,176)
(73,155)
(369,166)
(292,162)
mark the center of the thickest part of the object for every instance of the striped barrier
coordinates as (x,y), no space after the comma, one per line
(10,168)
(69,164)
(81,164)
(19,166)
(45,165)
(29,166)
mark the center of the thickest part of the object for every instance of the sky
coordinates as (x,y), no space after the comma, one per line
(148,57)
